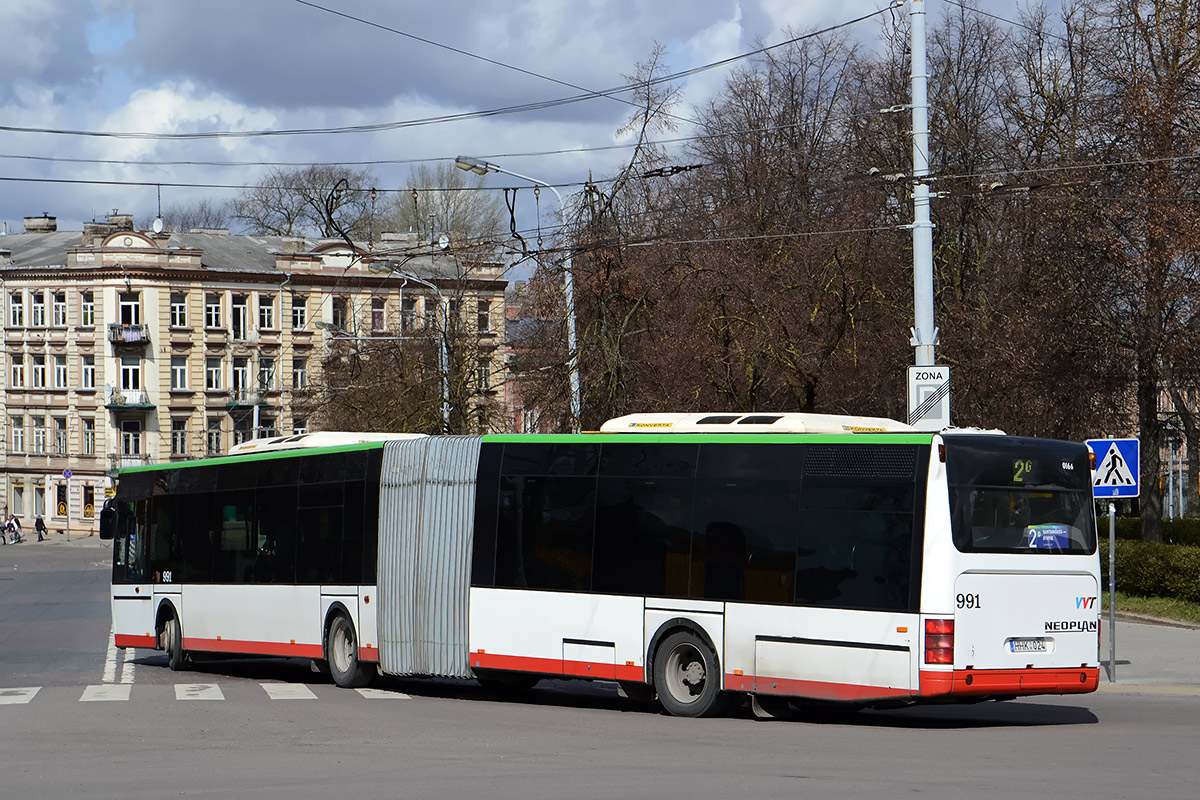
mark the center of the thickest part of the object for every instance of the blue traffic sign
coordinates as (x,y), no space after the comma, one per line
(1117,465)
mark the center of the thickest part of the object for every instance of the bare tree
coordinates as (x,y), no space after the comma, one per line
(441,198)
(293,203)
(183,217)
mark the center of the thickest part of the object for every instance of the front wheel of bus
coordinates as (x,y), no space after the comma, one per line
(687,676)
(341,649)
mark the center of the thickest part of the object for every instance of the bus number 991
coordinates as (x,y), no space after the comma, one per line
(969,601)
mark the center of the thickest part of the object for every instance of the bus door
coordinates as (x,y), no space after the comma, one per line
(132,589)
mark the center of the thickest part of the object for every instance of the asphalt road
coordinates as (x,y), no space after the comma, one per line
(267,729)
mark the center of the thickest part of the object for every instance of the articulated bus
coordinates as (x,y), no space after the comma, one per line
(689,557)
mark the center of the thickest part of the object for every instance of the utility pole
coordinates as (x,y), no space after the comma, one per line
(928,385)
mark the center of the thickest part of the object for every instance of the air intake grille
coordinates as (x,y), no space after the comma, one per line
(860,461)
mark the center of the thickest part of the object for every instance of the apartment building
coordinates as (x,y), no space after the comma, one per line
(127,347)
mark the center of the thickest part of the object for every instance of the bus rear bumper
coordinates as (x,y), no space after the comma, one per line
(1008,682)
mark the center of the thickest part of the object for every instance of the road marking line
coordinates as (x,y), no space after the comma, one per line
(198,691)
(288,691)
(105,692)
(19,696)
(127,665)
(110,660)
(382,694)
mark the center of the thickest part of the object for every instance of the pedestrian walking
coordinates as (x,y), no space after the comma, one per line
(39,525)
(17,535)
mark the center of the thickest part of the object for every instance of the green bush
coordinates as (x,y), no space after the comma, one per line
(1149,569)
(1175,531)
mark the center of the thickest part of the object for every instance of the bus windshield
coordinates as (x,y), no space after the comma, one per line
(1020,495)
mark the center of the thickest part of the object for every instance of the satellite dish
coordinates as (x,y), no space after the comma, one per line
(157,225)
(108,390)
(444,241)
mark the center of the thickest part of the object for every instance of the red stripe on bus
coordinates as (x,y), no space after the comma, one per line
(556,666)
(133,640)
(253,648)
(368,653)
(968,682)
(819,690)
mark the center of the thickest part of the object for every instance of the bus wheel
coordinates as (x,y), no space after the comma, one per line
(341,648)
(173,643)
(687,676)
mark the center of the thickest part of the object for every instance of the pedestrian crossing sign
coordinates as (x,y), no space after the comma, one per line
(1116,468)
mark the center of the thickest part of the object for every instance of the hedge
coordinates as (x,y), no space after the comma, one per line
(1175,531)
(1150,569)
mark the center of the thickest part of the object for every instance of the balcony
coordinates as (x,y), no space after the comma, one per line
(120,334)
(243,398)
(129,400)
(118,461)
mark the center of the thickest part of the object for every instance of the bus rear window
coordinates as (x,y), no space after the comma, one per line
(1016,495)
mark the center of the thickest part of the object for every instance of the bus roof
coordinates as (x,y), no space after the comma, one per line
(315,439)
(757,422)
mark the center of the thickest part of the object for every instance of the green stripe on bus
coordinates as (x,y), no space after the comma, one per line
(264,456)
(712,438)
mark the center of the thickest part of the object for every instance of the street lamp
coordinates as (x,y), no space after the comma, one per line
(481,167)
(443,351)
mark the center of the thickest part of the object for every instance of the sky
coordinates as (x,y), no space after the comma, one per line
(189,66)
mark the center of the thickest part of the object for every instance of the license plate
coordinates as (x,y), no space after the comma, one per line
(1027,645)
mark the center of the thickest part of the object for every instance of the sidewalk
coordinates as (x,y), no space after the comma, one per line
(1151,658)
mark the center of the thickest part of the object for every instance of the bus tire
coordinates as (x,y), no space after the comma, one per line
(687,676)
(341,651)
(173,643)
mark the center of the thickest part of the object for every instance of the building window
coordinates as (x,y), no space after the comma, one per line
(378,314)
(179,437)
(266,312)
(408,314)
(130,308)
(59,310)
(37,310)
(299,425)
(38,372)
(60,372)
(39,500)
(299,312)
(17,427)
(340,312)
(266,374)
(16,309)
(88,372)
(131,373)
(131,437)
(483,322)
(241,431)
(241,375)
(87,310)
(89,436)
(89,501)
(178,310)
(299,373)
(179,372)
(212,436)
(16,371)
(18,503)
(39,434)
(266,428)
(60,436)
(237,313)
(212,311)
(212,374)
(484,374)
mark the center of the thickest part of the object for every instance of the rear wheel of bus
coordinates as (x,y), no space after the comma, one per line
(341,651)
(687,676)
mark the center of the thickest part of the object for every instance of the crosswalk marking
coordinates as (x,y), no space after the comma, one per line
(288,691)
(198,691)
(382,694)
(17,696)
(105,692)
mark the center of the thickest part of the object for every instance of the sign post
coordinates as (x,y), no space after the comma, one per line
(67,477)
(1116,476)
(929,397)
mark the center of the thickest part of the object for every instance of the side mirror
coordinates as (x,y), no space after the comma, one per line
(108,519)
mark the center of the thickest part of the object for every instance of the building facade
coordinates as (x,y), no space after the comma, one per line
(124,347)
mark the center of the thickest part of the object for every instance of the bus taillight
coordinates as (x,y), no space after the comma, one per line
(939,641)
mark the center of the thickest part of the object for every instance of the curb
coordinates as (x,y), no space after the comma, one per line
(1124,616)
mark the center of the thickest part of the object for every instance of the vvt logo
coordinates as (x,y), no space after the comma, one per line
(1085,602)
